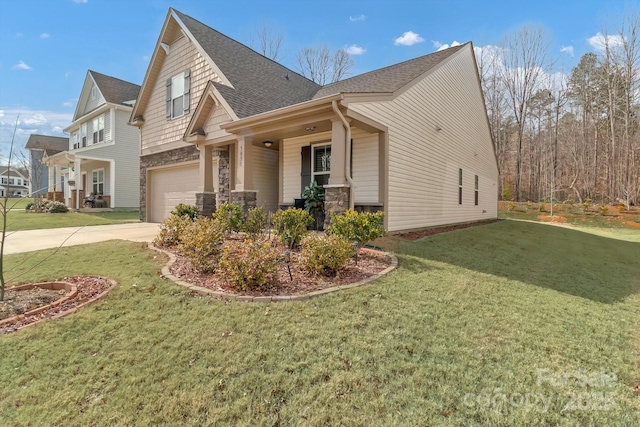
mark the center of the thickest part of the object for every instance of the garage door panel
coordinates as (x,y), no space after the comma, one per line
(170,187)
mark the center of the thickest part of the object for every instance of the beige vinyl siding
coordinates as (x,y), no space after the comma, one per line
(92,104)
(158,132)
(424,161)
(365,169)
(291,163)
(265,178)
(217,117)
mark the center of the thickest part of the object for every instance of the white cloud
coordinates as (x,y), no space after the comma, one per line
(568,50)
(355,50)
(357,18)
(408,38)
(80,1)
(441,46)
(19,35)
(21,66)
(599,41)
(45,35)
(30,121)
(68,104)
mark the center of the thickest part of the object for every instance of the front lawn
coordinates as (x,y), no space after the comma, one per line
(19,219)
(500,325)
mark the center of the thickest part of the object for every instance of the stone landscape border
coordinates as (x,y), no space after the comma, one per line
(166,272)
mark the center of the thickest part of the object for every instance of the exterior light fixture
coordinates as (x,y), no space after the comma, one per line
(310,128)
(267,143)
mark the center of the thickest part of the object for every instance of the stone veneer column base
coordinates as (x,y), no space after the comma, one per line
(336,201)
(246,199)
(206,203)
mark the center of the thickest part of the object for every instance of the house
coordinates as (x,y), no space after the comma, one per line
(102,154)
(220,122)
(13,182)
(40,146)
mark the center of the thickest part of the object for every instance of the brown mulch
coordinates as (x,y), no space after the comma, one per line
(19,301)
(418,234)
(555,218)
(369,263)
(89,287)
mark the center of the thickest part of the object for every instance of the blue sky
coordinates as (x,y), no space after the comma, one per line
(47,46)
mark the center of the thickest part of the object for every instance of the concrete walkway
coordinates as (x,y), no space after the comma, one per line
(33,240)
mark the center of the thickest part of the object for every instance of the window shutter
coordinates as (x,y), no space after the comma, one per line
(187,90)
(305,173)
(168,98)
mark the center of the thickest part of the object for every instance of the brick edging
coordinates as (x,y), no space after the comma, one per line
(166,272)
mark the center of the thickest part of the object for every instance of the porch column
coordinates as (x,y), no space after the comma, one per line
(77,177)
(206,197)
(224,177)
(51,179)
(336,193)
(112,184)
(244,194)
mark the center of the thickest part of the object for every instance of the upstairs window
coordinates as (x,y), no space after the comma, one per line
(94,92)
(83,135)
(98,181)
(476,192)
(178,95)
(459,186)
(321,167)
(98,129)
(75,139)
(4,180)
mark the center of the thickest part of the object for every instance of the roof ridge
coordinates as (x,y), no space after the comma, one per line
(113,78)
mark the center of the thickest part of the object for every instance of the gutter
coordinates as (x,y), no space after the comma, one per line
(347,145)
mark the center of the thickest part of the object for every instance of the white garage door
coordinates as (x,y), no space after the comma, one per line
(169,187)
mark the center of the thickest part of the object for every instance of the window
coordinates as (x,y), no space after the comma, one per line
(321,167)
(83,134)
(94,92)
(75,140)
(98,129)
(459,186)
(98,181)
(178,99)
(476,194)
(11,181)
(4,180)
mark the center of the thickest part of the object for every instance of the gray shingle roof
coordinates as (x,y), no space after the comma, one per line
(259,83)
(388,79)
(114,90)
(52,144)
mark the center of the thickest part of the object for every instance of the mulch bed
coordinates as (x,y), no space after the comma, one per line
(369,263)
(89,288)
(418,234)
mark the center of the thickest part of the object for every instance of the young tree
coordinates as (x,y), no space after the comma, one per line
(322,65)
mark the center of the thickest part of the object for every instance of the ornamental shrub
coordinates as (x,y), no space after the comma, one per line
(182,209)
(250,264)
(201,242)
(325,254)
(171,230)
(359,227)
(291,225)
(57,207)
(229,216)
(29,206)
(256,221)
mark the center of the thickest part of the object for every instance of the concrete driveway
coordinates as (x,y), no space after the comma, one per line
(33,240)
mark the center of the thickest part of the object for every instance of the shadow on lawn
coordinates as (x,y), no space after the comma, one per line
(570,261)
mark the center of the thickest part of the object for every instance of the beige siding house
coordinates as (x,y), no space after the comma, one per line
(220,122)
(103,151)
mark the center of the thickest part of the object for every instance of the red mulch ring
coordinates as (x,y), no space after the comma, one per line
(555,218)
(90,288)
(415,235)
(369,263)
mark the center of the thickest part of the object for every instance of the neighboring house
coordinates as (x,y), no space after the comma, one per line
(13,182)
(103,152)
(41,146)
(220,122)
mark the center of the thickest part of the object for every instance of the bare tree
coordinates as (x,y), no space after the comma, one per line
(322,65)
(267,41)
(525,58)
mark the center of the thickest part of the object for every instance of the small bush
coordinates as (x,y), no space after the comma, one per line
(57,207)
(359,227)
(182,209)
(250,265)
(511,206)
(585,204)
(201,242)
(229,215)
(291,225)
(29,206)
(528,204)
(325,254)
(171,230)
(256,221)
(603,209)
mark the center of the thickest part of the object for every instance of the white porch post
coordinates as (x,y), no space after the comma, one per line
(77,176)
(205,184)
(51,181)
(244,164)
(112,183)
(338,135)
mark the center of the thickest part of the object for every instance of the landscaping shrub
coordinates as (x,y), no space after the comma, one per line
(256,221)
(511,206)
(29,206)
(250,264)
(291,225)
(56,207)
(603,209)
(201,242)
(229,215)
(182,209)
(585,204)
(171,230)
(360,227)
(325,254)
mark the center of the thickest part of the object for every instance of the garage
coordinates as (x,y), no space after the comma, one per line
(170,186)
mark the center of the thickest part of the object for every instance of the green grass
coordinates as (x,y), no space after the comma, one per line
(19,219)
(470,312)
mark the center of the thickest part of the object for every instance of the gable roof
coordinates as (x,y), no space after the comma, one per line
(391,78)
(259,83)
(15,172)
(51,144)
(114,90)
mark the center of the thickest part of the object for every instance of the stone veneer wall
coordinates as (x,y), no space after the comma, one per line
(336,201)
(246,199)
(224,176)
(164,158)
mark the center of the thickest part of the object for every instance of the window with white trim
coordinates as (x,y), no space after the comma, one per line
(476,191)
(83,135)
(75,139)
(98,129)
(459,186)
(98,181)
(321,164)
(94,92)
(178,95)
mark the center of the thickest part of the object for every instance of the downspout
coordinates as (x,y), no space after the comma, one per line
(347,165)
